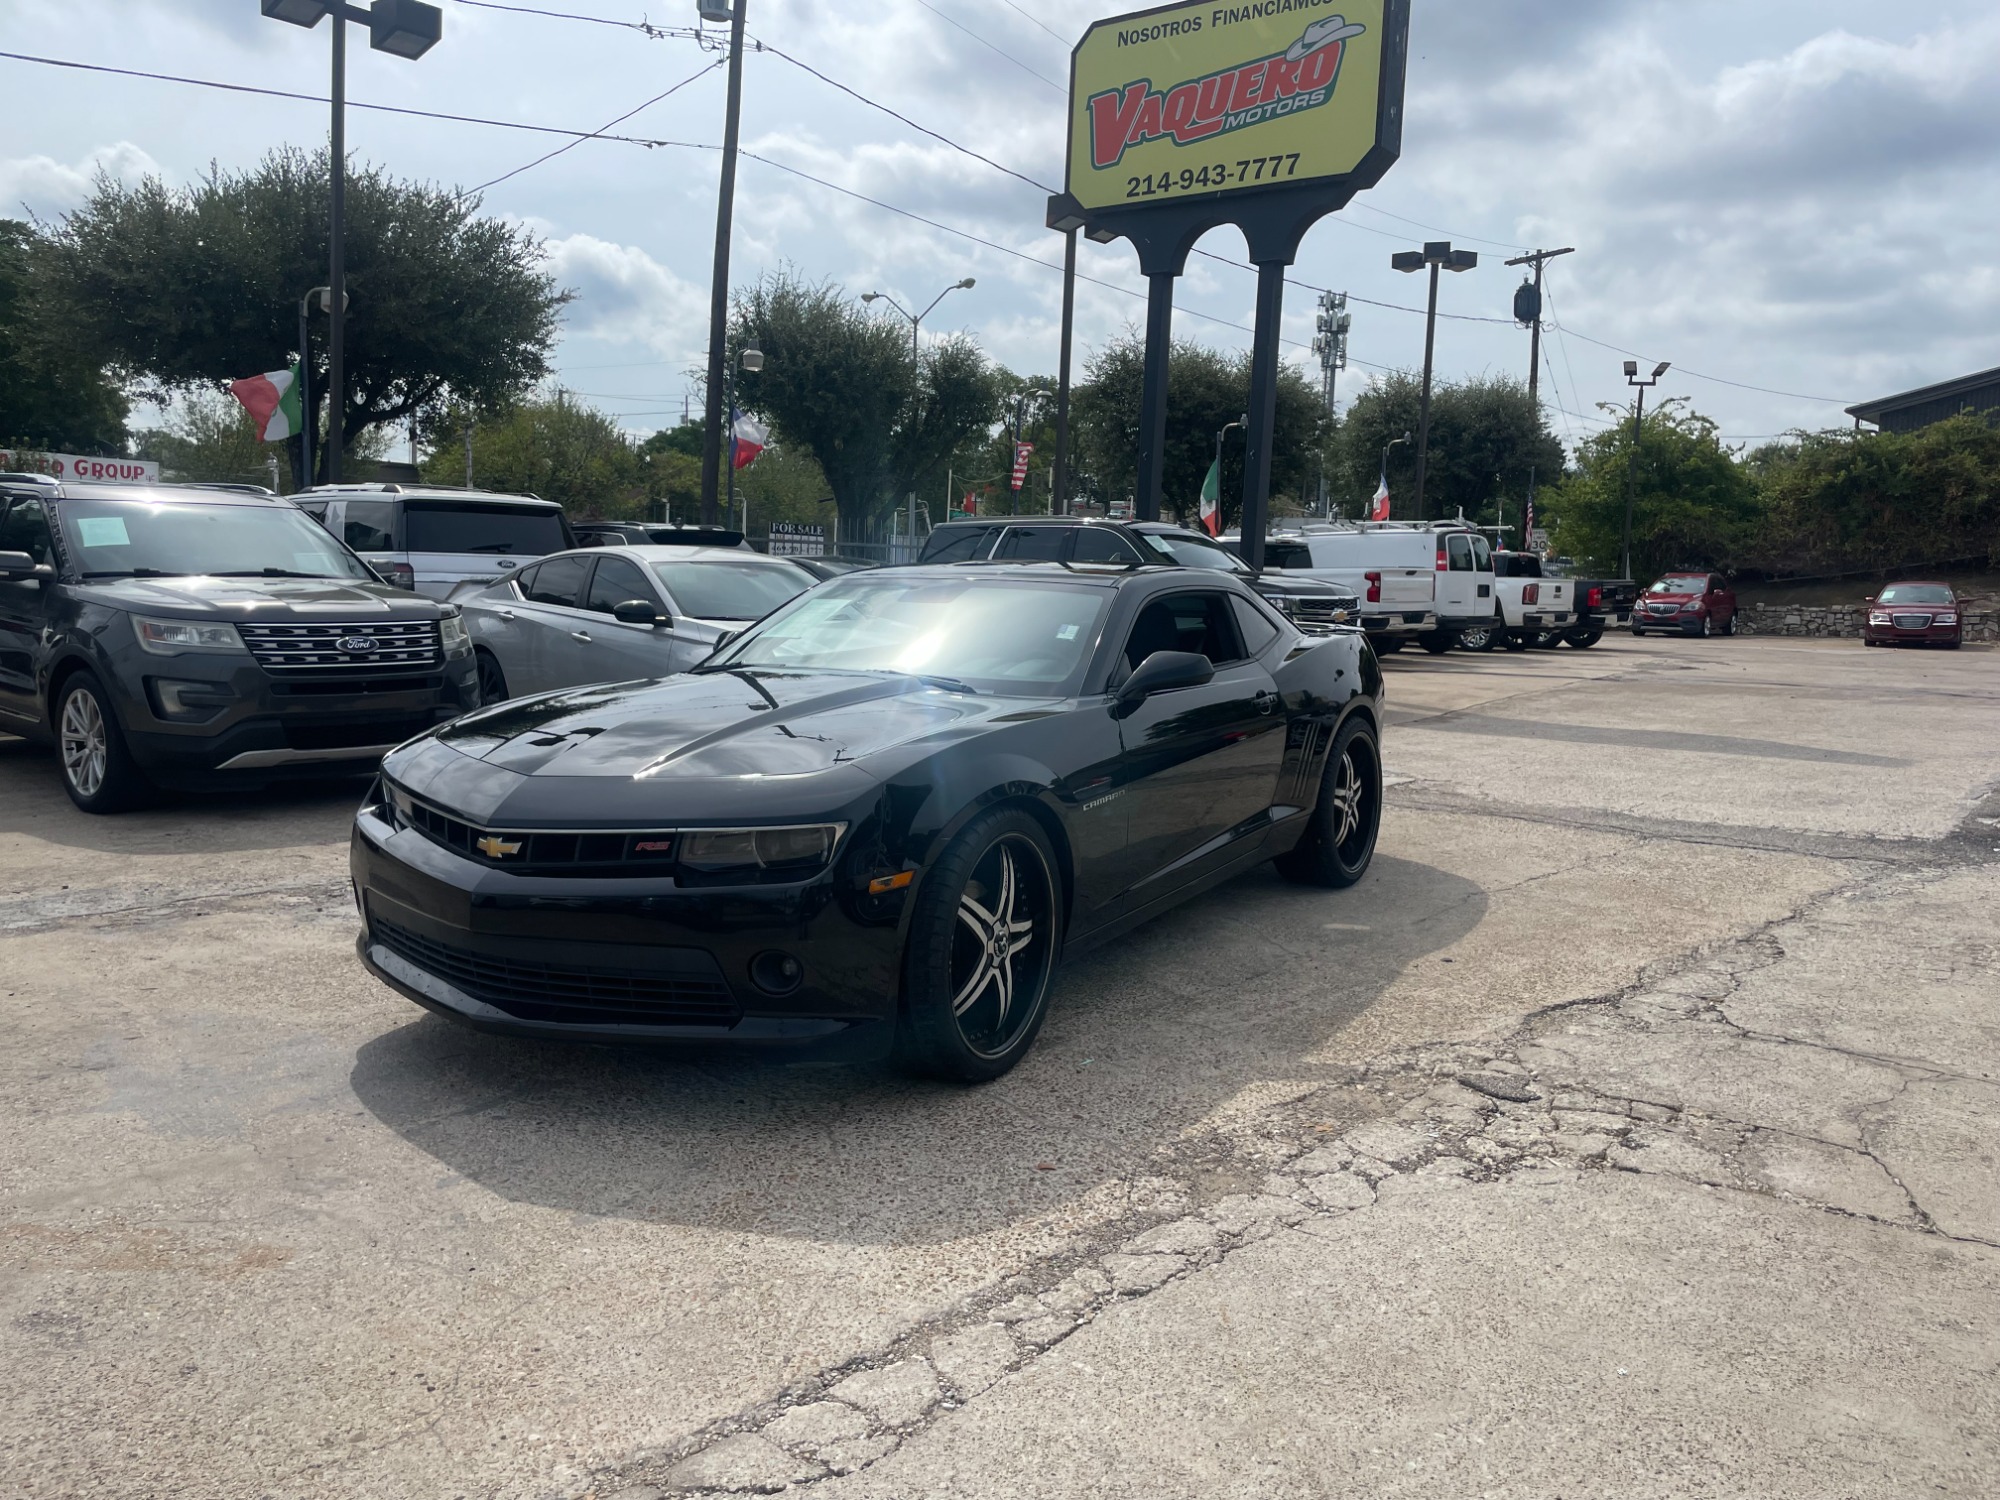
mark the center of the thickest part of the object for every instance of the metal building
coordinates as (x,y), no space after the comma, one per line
(1932,403)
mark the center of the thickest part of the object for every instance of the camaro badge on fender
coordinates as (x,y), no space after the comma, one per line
(497,848)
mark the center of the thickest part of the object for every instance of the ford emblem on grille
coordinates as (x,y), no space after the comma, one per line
(356,645)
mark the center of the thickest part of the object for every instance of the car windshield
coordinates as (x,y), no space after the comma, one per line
(746,590)
(1195,552)
(1681,584)
(466,526)
(1914,593)
(1026,639)
(168,538)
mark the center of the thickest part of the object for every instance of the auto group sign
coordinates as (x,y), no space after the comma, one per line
(1220,98)
(71,466)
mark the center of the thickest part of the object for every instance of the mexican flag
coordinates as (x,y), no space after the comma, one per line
(273,403)
(1211,500)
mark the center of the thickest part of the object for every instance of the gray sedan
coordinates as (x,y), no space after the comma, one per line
(617,614)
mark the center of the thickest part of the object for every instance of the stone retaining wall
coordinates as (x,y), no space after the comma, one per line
(1841,620)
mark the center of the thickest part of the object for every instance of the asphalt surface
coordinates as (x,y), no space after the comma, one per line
(270,1230)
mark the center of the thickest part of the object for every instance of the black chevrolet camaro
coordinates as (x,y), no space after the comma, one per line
(876,821)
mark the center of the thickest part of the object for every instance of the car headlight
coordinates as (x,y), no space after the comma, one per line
(453,635)
(753,852)
(1879,618)
(171,637)
(1690,609)
(1947,618)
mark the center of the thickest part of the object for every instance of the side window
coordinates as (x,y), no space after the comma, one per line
(25,528)
(1482,555)
(369,526)
(1287,555)
(1034,543)
(314,508)
(523,580)
(1096,545)
(615,581)
(558,581)
(1458,549)
(1254,626)
(1201,623)
(961,544)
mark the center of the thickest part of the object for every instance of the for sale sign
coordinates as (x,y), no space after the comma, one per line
(71,466)
(1208,99)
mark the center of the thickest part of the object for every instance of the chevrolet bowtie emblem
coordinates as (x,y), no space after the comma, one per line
(497,848)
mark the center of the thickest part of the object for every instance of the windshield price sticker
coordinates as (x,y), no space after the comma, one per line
(102,531)
(1222,98)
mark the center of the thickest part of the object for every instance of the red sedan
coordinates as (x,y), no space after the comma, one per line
(1914,614)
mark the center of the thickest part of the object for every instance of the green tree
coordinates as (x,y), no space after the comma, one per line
(1694,504)
(210,437)
(550,446)
(187,287)
(838,383)
(1206,390)
(51,396)
(1840,502)
(1487,439)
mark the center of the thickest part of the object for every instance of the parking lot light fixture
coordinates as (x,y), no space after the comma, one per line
(403,28)
(1632,457)
(1439,256)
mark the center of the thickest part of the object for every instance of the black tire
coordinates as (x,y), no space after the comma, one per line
(1481,638)
(1437,642)
(1638,630)
(1583,640)
(1339,841)
(1386,645)
(492,681)
(1952,645)
(967,1015)
(1698,630)
(1514,640)
(1728,626)
(96,765)
(1545,640)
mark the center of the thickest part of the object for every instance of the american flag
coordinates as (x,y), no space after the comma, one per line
(1021,452)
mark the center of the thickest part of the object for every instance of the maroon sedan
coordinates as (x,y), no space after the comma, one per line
(1914,614)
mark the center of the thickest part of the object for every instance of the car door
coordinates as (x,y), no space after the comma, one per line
(1721,601)
(1198,764)
(25,606)
(549,619)
(615,651)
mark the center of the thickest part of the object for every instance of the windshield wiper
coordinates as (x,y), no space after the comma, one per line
(270,573)
(949,684)
(134,573)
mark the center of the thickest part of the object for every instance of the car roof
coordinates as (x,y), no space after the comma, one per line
(1143,526)
(178,494)
(424,492)
(651,553)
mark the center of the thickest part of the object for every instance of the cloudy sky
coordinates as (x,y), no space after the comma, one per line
(1792,195)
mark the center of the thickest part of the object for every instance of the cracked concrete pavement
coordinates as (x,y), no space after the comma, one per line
(1630,1130)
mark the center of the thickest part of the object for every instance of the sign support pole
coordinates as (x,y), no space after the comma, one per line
(1153,394)
(1263,410)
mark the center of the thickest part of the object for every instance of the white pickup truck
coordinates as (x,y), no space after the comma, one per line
(1422,582)
(1533,608)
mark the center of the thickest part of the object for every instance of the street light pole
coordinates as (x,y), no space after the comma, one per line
(1632,457)
(407,29)
(1439,256)
(916,326)
(718,296)
(752,359)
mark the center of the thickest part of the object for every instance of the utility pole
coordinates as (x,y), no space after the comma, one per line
(1528,312)
(718,302)
(1330,344)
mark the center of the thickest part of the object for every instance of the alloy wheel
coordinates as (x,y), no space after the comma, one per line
(1001,950)
(85,750)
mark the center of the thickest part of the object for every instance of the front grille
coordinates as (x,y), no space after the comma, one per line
(354,687)
(1912,622)
(529,990)
(1317,614)
(403,645)
(610,853)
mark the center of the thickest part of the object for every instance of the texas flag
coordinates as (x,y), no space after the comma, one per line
(1379,509)
(747,437)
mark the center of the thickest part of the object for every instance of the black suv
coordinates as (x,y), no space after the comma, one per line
(1314,607)
(189,638)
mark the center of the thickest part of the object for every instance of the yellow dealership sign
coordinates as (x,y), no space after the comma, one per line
(1229,96)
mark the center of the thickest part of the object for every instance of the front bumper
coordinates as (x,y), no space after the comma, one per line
(1930,635)
(621,960)
(271,728)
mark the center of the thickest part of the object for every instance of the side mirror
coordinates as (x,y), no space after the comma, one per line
(1162,672)
(639,612)
(19,567)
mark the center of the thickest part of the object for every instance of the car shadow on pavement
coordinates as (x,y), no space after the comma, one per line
(32,802)
(1146,1040)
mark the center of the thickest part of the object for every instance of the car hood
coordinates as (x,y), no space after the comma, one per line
(1669,598)
(744,725)
(260,600)
(1315,588)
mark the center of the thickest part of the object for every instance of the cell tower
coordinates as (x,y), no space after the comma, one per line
(1330,344)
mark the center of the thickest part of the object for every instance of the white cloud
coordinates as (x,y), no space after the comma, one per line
(623,295)
(46,188)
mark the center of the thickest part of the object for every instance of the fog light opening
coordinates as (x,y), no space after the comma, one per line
(777,973)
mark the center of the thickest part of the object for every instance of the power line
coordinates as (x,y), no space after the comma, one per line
(926,4)
(1437,229)
(390,109)
(703,71)
(645,27)
(1038,21)
(1715,379)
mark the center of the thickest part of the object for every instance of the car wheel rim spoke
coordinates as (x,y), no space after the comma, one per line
(1347,798)
(84,751)
(997,921)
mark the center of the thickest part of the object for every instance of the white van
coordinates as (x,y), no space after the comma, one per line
(1415,582)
